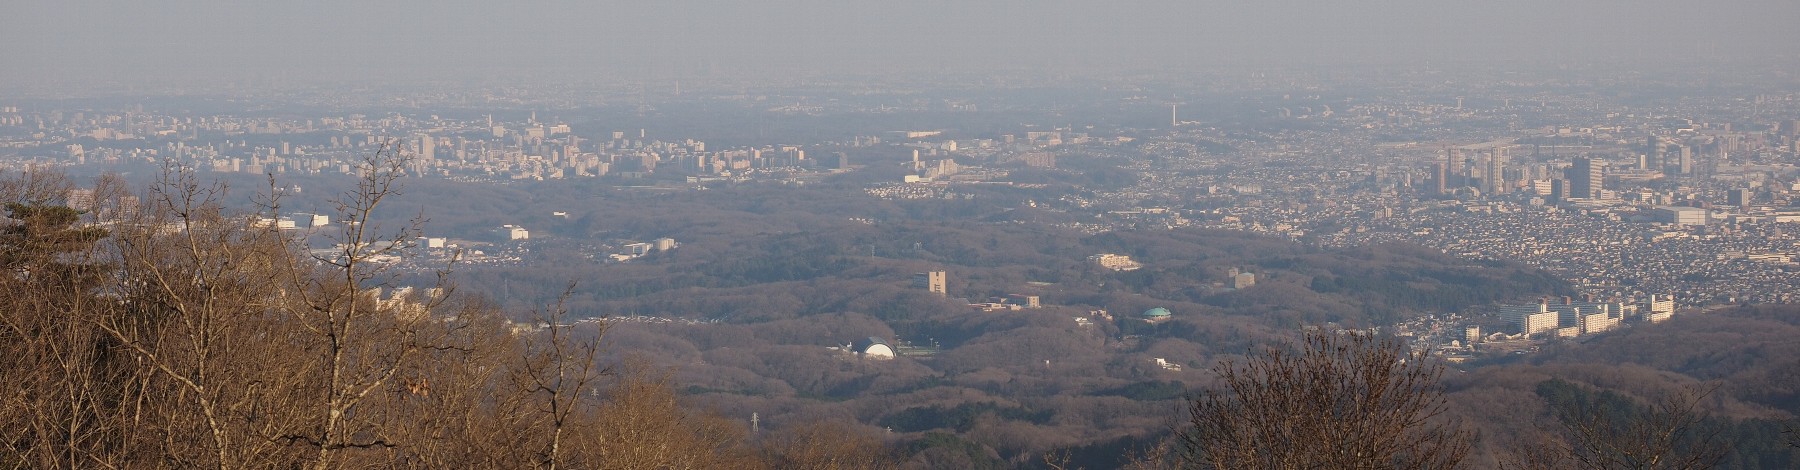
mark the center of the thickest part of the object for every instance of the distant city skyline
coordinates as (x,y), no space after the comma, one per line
(49,43)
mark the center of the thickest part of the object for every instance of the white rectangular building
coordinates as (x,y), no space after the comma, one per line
(1680,215)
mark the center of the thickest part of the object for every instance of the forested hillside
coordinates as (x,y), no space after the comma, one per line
(1745,358)
(782,275)
(164,329)
(188,335)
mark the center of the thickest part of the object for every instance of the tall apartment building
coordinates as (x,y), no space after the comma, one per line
(1598,322)
(1531,319)
(1566,318)
(1659,308)
(1585,179)
(931,281)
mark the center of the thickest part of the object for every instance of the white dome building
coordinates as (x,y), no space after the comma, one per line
(873,347)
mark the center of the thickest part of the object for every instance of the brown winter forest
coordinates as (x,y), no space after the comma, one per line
(159,325)
(181,336)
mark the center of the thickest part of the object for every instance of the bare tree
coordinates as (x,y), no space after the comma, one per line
(1537,449)
(640,424)
(1157,456)
(59,374)
(195,287)
(187,336)
(455,407)
(834,446)
(1057,460)
(1668,433)
(556,371)
(1340,401)
(362,342)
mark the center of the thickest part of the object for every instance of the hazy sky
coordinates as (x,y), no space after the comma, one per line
(378,40)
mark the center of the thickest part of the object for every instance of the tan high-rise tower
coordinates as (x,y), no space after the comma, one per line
(932,281)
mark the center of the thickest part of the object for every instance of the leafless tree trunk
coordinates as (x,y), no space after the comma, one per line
(363,342)
(195,287)
(556,371)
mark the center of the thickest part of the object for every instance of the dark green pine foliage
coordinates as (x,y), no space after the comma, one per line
(43,235)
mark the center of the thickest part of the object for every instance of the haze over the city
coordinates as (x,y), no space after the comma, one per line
(148,43)
(925,235)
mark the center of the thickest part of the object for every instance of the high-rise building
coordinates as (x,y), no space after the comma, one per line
(1438,185)
(1536,323)
(1585,179)
(1653,152)
(931,281)
(1659,308)
(1453,160)
(1686,164)
(427,148)
(1739,197)
(1598,322)
(1491,182)
(1567,318)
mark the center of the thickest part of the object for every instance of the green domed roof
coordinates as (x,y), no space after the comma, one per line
(1156,312)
